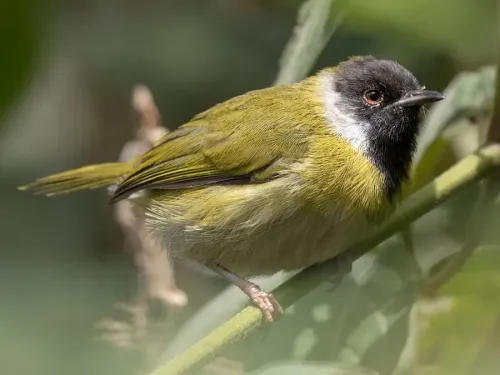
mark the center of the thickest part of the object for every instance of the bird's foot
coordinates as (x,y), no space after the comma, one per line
(264,301)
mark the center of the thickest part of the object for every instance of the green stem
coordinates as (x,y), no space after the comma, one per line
(466,172)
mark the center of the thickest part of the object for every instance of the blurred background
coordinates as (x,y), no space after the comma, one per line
(72,295)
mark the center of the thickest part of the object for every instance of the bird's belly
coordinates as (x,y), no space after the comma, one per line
(297,243)
(294,243)
(249,230)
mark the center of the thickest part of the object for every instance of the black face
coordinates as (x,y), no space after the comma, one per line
(388,99)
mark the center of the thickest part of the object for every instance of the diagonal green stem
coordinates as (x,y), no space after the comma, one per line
(466,172)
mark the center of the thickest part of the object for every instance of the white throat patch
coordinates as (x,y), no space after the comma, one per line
(349,128)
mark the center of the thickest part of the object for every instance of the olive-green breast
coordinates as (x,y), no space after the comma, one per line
(336,176)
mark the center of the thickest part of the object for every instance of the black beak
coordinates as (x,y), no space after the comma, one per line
(417,98)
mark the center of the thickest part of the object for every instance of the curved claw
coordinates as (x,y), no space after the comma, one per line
(266,302)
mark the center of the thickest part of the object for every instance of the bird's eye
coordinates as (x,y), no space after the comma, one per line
(373,97)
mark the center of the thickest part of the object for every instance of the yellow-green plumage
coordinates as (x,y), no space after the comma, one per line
(84,178)
(296,194)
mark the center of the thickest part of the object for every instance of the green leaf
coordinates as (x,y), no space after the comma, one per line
(433,24)
(425,168)
(454,335)
(468,94)
(316,24)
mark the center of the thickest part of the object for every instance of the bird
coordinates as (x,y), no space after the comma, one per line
(276,179)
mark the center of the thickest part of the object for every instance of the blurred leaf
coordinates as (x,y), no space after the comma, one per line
(425,168)
(316,24)
(313,368)
(379,338)
(468,94)
(487,361)
(19,43)
(455,330)
(383,355)
(435,24)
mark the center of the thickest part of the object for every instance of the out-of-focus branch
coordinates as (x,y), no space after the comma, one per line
(151,260)
(144,104)
(155,273)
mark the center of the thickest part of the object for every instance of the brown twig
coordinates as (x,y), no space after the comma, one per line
(152,262)
(155,273)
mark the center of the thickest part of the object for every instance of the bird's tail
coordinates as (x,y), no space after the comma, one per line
(84,178)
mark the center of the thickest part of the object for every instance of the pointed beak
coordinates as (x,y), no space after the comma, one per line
(417,98)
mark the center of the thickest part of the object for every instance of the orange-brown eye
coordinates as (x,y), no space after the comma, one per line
(373,97)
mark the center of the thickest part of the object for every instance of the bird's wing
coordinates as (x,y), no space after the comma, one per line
(248,139)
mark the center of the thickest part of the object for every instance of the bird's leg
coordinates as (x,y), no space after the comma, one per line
(263,300)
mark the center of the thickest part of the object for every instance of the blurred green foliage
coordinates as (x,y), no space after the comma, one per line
(455,333)
(20,42)
(443,25)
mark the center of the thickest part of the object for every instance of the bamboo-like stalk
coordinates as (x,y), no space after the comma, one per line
(463,174)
